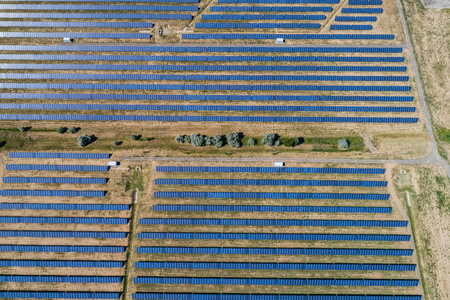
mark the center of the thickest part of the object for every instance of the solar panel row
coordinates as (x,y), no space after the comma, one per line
(64,206)
(320,170)
(271,182)
(255,36)
(21,7)
(262,17)
(63,155)
(94,16)
(77,24)
(206,118)
(206,97)
(257,25)
(63,220)
(91,35)
(55,180)
(202,68)
(59,248)
(29,106)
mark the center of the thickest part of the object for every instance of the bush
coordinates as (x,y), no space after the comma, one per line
(136,137)
(218,140)
(251,142)
(74,130)
(197,140)
(234,139)
(117,143)
(298,141)
(269,139)
(219,144)
(187,139)
(288,142)
(343,143)
(179,139)
(24,128)
(278,143)
(84,140)
(208,141)
(61,130)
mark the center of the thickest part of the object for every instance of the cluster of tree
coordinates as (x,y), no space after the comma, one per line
(273,139)
(62,130)
(234,139)
(84,140)
(199,140)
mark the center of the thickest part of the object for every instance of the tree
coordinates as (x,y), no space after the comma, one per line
(288,142)
(61,130)
(208,140)
(298,141)
(251,142)
(219,144)
(343,143)
(74,130)
(117,143)
(278,143)
(84,140)
(187,139)
(135,137)
(234,139)
(197,140)
(218,140)
(179,139)
(269,139)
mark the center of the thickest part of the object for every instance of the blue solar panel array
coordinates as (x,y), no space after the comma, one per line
(343,49)
(195,296)
(347,10)
(207,118)
(259,222)
(80,168)
(264,182)
(365,2)
(59,248)
(64,206)
(94,16)
(203,67)
(204,58)
(274,236)
(271,9)
(271,208)
(63,155)
(351,27)
(270,170)
(21,7)
(77,24)
(237,195)
(258,36)
(64,234)
(52,193)
(256,25)
(71,279)
(61,263)
(279,1)
(137,1)
(275,281)
(91,35)
(58,180)
(276,251)
(273,266)
(63,220)
(206,97)
(262,17)
(200,77)
(355,19)
(29,106)
(60,295)
(205,87)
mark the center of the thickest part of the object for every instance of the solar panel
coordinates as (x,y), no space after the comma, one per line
(77,24)
(94,16)
(92,35)
(97,7)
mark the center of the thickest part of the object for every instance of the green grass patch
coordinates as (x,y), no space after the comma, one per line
(136,181)
(444,134)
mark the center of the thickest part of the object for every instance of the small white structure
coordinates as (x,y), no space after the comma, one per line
(68,40)
(279,41)
(278,164)
(113,163)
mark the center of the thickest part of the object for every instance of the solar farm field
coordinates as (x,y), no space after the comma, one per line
(306,232)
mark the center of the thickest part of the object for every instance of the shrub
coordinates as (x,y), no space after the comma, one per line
(197,140)
(288,142)
(187,139)
(218,140)
(219,144)
(208,141)
(343,143)
(84,140)
(117,143)
(251,142)
(234,139)
(269,139)
(298,140)
(24,128)
(74,130)
(179,139)
(61,130)
(278,143)
(136,137)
